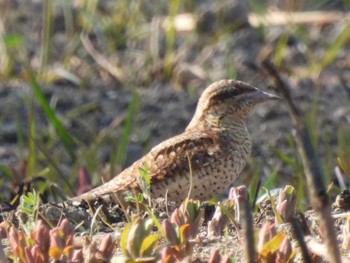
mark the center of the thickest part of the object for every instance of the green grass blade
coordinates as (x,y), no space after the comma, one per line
(271,180)
(32,151)
(333,51)
(61,131)
(46,38)
(124,141)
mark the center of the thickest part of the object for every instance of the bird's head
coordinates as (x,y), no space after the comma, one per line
(227,101)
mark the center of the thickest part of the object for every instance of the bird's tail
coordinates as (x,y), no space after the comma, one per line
(116,185)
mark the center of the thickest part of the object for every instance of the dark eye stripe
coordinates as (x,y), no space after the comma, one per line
(223,90)
(231,92)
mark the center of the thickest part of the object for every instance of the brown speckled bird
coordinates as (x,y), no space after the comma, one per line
(214,147)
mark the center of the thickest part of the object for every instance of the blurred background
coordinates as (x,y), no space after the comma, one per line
(86,85)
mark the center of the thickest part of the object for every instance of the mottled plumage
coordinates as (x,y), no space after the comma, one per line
(216,143)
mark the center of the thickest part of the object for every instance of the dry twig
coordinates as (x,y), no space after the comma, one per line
(246,220)
(314,175)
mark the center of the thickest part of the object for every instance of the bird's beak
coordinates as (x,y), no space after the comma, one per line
(261,96)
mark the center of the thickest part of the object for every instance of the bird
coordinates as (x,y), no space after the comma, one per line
(205,159)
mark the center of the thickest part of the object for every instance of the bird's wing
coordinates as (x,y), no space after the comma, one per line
(178,153)
(173,156)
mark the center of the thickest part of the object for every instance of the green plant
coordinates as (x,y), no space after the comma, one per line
(29,204)
(137,243)
(145,184)
(144,196)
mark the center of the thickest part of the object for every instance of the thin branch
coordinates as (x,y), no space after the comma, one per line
(246,220)
(299,236)
(314,174)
